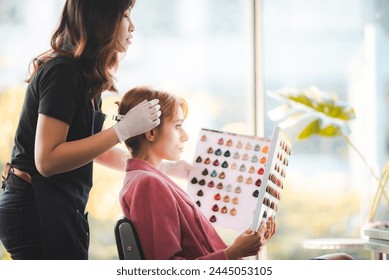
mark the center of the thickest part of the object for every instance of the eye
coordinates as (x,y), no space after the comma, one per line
(179,125)
(127,15)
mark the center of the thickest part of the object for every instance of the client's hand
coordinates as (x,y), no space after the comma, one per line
(249,243)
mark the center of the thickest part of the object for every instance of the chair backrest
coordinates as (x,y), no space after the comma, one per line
(127,241)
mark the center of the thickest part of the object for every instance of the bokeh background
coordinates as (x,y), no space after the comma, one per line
(223,57)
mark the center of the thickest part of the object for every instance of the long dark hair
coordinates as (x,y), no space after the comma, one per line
(87,32)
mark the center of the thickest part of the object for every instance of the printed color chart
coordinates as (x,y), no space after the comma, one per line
(237,179)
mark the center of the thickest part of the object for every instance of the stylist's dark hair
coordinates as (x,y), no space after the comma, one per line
(87,31)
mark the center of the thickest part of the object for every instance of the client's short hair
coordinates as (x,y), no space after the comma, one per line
(169,106)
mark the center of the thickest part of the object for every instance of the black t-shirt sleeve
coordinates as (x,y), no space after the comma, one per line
(60,95)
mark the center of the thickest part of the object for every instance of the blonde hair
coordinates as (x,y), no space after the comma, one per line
(169,107)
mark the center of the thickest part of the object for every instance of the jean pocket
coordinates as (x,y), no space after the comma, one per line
(83,233)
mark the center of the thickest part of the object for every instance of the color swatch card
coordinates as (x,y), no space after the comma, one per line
(237,179)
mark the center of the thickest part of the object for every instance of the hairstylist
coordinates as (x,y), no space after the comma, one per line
(47,183)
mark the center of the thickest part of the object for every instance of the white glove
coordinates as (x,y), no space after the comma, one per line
(138,120)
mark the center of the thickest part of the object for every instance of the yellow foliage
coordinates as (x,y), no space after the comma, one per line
(6,256)
(11,101)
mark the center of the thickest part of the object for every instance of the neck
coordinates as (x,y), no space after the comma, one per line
(155,163)
(151,159)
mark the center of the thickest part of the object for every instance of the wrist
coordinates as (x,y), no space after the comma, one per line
(116,134)
(232,253)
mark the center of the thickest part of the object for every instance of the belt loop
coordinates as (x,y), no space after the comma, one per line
(5,174)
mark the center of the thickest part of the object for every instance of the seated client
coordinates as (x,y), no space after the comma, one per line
(168,222)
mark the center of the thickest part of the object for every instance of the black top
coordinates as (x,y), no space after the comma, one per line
(58,90)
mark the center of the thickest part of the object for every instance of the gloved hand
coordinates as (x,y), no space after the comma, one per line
(138,120)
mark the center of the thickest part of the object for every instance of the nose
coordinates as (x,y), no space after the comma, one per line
(184,136)
(131,27)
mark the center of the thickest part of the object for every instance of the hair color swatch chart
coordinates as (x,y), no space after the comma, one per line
(237,179)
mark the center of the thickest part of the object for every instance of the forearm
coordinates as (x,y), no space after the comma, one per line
(70,155)
(114,158)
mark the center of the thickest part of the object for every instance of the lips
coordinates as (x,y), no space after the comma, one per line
(128,39)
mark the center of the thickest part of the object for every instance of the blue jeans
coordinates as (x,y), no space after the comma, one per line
(19,220)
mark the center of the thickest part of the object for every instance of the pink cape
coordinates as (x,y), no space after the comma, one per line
(169,224)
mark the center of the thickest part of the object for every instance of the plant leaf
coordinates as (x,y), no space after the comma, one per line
(327,116)
(311,129)
(346,113)
(316,101)
(302,99)
(330,131)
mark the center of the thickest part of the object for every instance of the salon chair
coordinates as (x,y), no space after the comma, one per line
(127,241)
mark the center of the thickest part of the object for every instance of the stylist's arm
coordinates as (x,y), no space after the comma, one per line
(53,155)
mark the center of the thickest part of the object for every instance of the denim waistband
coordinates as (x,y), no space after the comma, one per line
(17,185)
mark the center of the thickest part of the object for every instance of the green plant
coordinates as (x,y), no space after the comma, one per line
(313,112)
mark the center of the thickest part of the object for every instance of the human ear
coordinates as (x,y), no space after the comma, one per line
(150,135)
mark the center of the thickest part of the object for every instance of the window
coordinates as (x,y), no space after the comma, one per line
(178,46)
(201,50)
(341,47)
(204,51)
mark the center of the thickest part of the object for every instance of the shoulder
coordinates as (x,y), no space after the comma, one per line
(60,62)
(145,191)
(60,66)
(141,183)
(60,76)
(145,179)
